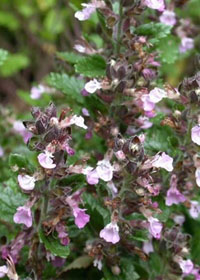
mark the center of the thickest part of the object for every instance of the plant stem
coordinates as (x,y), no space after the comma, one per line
(118,43)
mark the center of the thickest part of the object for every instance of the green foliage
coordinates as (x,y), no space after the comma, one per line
(9,20)
(54,246)
(91,66)
(70,86)
(3,56)
(168,43)
(69,57)
(127,271)
(154,29)
(17,160)
(13,64)
(159,138)
(11,197)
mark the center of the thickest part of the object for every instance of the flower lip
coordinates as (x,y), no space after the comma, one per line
(46,161)
(23,216)
(26,182)
(110,233)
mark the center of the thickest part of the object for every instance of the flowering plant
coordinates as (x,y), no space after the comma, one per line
(106,183)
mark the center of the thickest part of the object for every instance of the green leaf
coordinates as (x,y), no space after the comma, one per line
(154,29)
(9,20)
(69,86)
(70,57)
(54,245)
(80,262)
(11,197)
(17,159)
(3,56)
(95,205)
(140,235)
(127,271)
(13,64)
(168,49)
(91,66)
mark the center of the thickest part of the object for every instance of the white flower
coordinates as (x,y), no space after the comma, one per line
(78,120)
(197,176)
(26,182)
(3,271)
(46,161)
(195,134)
(194,209)
(163,161)
(92,86)
(104,170)
(157,94)
(110,233)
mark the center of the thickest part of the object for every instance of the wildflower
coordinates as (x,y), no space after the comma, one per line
(89,9)
(36,92)
(26,182)
(98,263)
(110,233)
(62,234)
(179,219)
(148,247)
(92,86)
(92,177)
(155,4)
(197,176)
(3,271)
(81,218)
(195,134)
(168,18)
(186,44)
(148,105)
(186,266)
(19,128)
(157,94)
(23,216)
(46,161)
(155,227)
(1,152)
(163,161)
(173,194)
(194,209)
(78,121)
(104,170)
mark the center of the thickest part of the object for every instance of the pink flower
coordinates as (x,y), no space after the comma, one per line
(163,161)
(148,105)
(148,247)
(197,176)
(155,4)
(179,219)
(89,9)
(86,12)
(157,94)
(194,209)
(144,122)
(3,271)
(110,233)
(104,170)
(195,135)
(120,155)
(1,152)
(81,218)
(168,18)
(46,161)
(23,216)
(92,86)
(26,182)
(36,92)
(85,112)
(186,44)
(78,121)
(62,234)
(155,227)
(92,177)
(112,188)
(173,194)
(19,128)
(186,266)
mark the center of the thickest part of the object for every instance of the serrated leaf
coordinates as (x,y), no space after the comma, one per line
(69,86)
(154,29)
(3,56)
(70,57)
(80,262)
(95,205)
(11,197)
(54,245)
(140,235)
(91,66)
(17,159)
